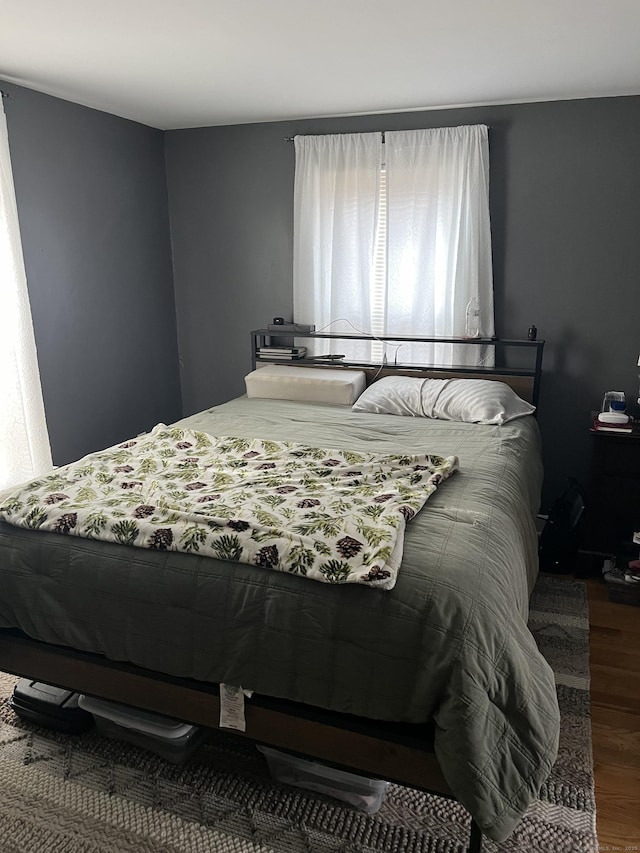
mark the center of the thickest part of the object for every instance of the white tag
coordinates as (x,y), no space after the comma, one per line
(636,537)
(232,707)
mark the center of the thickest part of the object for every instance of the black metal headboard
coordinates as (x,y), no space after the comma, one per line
(517,363)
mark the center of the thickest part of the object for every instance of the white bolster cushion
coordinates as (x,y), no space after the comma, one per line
(339,387)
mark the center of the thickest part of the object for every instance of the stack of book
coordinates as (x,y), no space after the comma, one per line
(282,353)
(602,426)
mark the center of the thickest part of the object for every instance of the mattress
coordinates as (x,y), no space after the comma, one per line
(449,643)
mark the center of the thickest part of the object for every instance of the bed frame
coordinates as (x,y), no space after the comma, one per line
(401,753)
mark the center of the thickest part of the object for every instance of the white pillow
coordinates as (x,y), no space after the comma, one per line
(393,395)
(479,401)
(339,387)
(476,401)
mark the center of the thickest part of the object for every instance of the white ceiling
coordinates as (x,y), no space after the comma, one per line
(193,63)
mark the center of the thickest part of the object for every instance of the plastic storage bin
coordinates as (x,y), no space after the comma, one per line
(173,741)
(359,791)
(49,706)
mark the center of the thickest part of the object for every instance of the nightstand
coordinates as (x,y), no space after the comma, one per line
(613,504)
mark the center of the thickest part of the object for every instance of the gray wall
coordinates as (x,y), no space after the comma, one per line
(565,203)
(565,206)
(92,204)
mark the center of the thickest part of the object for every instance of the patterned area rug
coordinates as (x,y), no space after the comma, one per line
(86,794)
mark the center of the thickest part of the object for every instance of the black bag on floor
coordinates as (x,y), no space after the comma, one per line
(558,543)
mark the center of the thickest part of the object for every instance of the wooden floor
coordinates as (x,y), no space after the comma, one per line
(615,718)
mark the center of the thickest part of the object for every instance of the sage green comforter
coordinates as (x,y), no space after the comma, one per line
(449,642)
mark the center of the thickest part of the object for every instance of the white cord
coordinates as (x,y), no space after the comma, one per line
(384,344)
(355,329)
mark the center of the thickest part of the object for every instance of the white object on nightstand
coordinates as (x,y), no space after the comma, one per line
(613,418)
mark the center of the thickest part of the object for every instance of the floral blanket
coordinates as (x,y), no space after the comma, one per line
(330,515)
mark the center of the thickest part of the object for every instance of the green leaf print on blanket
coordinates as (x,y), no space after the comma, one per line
(329,515)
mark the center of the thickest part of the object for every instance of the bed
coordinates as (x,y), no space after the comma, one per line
(436,683)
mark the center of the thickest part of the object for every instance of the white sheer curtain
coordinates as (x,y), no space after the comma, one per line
(439,239)
(24,441)
(336,205)
(395,238)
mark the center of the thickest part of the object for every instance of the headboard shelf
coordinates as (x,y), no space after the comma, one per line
(524,379)
(497,342)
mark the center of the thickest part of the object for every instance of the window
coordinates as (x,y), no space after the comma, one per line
(393,236)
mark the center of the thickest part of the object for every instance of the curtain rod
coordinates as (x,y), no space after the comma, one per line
(291,138)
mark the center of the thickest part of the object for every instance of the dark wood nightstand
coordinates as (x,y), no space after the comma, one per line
(613,503)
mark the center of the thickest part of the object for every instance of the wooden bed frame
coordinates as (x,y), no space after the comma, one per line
(400,753)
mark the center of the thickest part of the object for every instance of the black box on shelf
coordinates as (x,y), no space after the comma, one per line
(291,328)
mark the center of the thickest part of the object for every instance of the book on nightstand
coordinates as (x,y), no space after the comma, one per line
(601,426)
